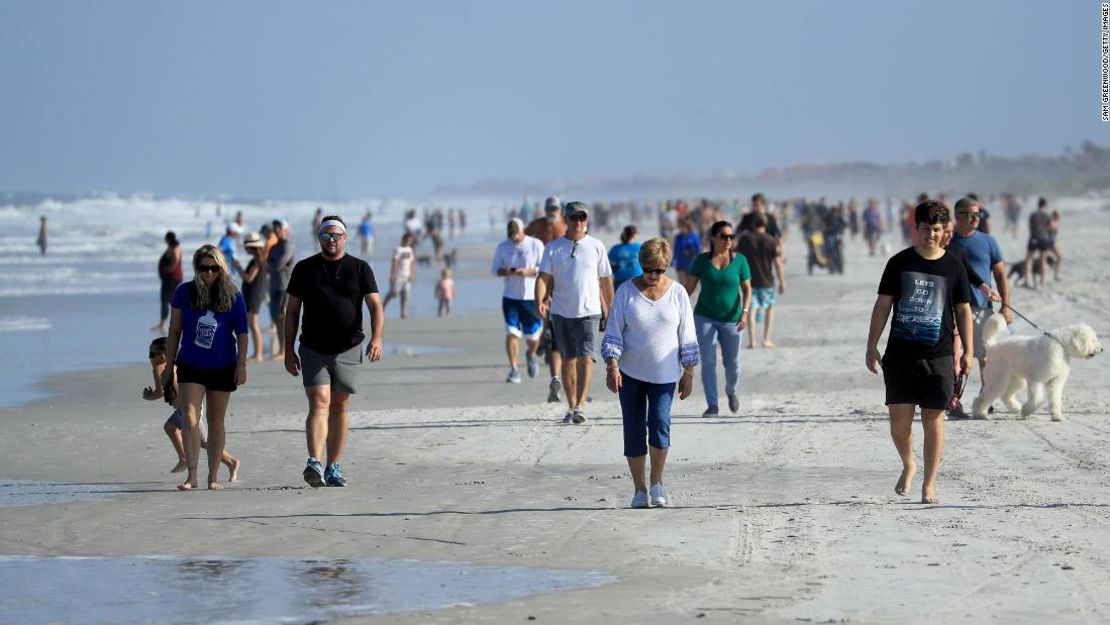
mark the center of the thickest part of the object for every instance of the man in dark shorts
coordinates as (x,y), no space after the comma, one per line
(279,266)
(1041,240)
(332,287)
(549,228)
(928,291)
(575,285)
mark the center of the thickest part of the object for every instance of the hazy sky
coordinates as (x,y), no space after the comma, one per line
(395,98)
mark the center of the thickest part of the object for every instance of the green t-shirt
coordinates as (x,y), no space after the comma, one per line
(720,297)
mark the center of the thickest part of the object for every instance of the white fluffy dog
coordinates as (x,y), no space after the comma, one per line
(1040,362)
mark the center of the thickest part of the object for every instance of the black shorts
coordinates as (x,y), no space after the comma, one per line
(925,382)
(211,379)
(1037,245)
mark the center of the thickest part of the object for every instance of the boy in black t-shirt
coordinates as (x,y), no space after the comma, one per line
(929,293)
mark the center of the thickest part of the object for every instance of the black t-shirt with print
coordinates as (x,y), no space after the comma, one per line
(332,294)
(925,294)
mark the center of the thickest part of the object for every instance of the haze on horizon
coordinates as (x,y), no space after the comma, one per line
(285,99)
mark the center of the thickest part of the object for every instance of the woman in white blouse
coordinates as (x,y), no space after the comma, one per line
(649,345)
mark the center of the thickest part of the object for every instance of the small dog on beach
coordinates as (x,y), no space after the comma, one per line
(1017,270)
(1041,363)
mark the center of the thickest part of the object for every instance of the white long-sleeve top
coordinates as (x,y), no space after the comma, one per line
(652,340)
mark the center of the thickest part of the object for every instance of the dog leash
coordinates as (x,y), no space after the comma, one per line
(1030,322)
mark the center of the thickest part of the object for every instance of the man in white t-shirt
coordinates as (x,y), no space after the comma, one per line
(402,272)
(517,260)
(576,285)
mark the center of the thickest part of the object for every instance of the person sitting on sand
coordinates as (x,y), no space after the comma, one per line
(929,293)
(175,424)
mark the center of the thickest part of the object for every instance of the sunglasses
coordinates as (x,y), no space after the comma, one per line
(655,272)
(577,217)
(727,236)
(208,268)
(970,215)
(331,236)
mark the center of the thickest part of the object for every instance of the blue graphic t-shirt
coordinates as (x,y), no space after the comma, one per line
(209,339)
(925,294)
(625,259)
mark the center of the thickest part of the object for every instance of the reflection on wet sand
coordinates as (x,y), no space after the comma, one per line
(183,591)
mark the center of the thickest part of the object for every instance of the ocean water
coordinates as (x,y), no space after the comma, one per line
(91,300)
(214,591)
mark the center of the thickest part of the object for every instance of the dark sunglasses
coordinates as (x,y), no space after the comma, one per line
(577,217)
(331,236)
(727,236)
(208,268)
(655,272)
(970,215)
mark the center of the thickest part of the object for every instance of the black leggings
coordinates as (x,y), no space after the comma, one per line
(168,287)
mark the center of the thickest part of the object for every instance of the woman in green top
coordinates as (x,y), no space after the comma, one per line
(721,313)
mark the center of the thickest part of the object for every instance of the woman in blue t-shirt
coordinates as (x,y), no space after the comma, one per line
(687,246)
(625,257)
(208,345)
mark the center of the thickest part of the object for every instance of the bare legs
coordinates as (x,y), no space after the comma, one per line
(901,432)
(256,336)
(175,439)
(191,397)
(510,349)
(636,467)
(327,422)
(577,373)
(768,321)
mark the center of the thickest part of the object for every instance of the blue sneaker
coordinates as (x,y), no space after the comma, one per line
(314,473)
(333,476)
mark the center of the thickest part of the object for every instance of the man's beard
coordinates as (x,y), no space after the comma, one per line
(331,255)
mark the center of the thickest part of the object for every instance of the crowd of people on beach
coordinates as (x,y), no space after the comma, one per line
(571,299)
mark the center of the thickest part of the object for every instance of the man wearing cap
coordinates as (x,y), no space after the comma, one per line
(551,226)
(227,247)
(546,229)
(332,287)
(517,260)
(279,267)
(576,286)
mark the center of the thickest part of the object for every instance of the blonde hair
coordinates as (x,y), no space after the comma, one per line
(655,251)
(224,288)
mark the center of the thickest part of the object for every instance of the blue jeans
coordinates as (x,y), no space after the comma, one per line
(645,406)
(711,332)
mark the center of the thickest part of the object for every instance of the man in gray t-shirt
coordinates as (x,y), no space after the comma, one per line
(279,267)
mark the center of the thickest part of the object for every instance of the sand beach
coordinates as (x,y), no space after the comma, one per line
(784,513)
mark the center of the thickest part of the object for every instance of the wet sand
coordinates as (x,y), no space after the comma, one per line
(785,513)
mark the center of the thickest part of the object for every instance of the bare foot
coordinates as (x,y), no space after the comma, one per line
(903,485)
(215,486)
(233,466)
(179,467)
(187,485)
(929,495)
(768,343)
(278,356)
(256,358)
(158,329)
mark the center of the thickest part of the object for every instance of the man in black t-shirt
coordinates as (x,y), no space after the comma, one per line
(764,254)
(332,286)
(759,207)
(928,291)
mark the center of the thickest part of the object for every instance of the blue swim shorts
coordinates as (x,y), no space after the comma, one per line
(763,298)
(520,317)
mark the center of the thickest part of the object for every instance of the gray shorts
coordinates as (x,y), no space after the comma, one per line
(979,324)
(576,336)
(339,371)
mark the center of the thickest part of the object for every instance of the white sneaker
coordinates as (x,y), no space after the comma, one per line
(514,376)
(658,496)
(640,499)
